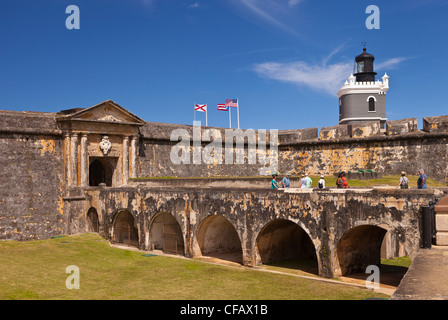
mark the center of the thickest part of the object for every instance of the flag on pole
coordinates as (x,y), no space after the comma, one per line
(232,103)
(222,107)
(200,107)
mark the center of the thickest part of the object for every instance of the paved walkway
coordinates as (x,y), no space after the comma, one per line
(427,277)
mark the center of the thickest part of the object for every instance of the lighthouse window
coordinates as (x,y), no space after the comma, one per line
(371,104)
(361,66)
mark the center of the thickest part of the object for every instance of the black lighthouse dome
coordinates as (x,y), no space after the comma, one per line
(364,67)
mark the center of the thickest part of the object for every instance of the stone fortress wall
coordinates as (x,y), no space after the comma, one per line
(401,146)
(37,200)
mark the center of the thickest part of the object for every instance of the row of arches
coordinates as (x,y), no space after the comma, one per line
(279,240)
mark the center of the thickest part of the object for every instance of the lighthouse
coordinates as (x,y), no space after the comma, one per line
(362,98)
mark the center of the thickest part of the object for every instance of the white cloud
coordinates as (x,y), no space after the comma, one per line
(324,78)
(273,12)
(293,3)
(390,64)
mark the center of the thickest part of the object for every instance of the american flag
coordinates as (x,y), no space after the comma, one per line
(200,107)
(222,107)
(232,103)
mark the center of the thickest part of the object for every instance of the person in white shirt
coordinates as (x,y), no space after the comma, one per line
(303,182)
(321,182)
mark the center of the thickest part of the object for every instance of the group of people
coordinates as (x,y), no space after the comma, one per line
(341,182)
(421,182)
(305,182)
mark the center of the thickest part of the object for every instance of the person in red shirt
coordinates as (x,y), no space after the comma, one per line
(344,181)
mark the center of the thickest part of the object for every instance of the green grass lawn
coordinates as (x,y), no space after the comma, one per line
(37,270)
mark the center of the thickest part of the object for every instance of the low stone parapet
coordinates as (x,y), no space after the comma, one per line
(435,124)
(397,127)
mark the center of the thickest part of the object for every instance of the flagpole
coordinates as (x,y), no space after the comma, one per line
(230,117)
(206,111)
(238,110)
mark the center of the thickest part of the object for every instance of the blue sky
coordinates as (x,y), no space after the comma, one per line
(283,59)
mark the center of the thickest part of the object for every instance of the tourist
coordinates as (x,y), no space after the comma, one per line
(303,182)
(321,182)
(344,181)
(339,181)
(404,181)
(274,182)
(285,181)
(308,181)
(421,182)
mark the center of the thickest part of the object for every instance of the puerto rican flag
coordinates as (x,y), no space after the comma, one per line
(232,103)
(222,107)
(200,107)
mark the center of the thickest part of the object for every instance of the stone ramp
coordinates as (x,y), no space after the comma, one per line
(427,277)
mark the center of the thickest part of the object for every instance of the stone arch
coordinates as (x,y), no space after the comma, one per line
(93,222)
(165,234)
(360,247)
(124,229)
(217,237)
(282,239)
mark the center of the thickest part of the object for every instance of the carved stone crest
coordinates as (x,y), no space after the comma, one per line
(105,145)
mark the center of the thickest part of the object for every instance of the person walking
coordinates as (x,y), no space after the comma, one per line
(321,182)
(421,182)
(285,181)
(308,181)
(303,182)
(274,182)
(344,181)
(339,181)
(404,181)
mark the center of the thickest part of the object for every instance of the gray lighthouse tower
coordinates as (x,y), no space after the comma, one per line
(362,98)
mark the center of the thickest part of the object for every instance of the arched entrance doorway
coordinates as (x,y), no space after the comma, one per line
(217,238)
(283,243)
(93,221)
(100,171)
(125,229)
(166,235)
(361,247)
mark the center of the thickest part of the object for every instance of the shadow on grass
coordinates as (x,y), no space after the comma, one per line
(295,265)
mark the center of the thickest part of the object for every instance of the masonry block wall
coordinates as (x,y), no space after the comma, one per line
(400,147)
(31,177)
(36,201)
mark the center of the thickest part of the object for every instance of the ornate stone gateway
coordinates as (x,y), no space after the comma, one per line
(100,144)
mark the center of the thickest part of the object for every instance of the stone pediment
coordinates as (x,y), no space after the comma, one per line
(106,111)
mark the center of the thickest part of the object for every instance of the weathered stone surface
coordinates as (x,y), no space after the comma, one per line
(397,127)
(435,124)
(286,137)
(363,130)
(335,132)
(426,278)
(46,158)
(331,219)
(31,187)
(441,222)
